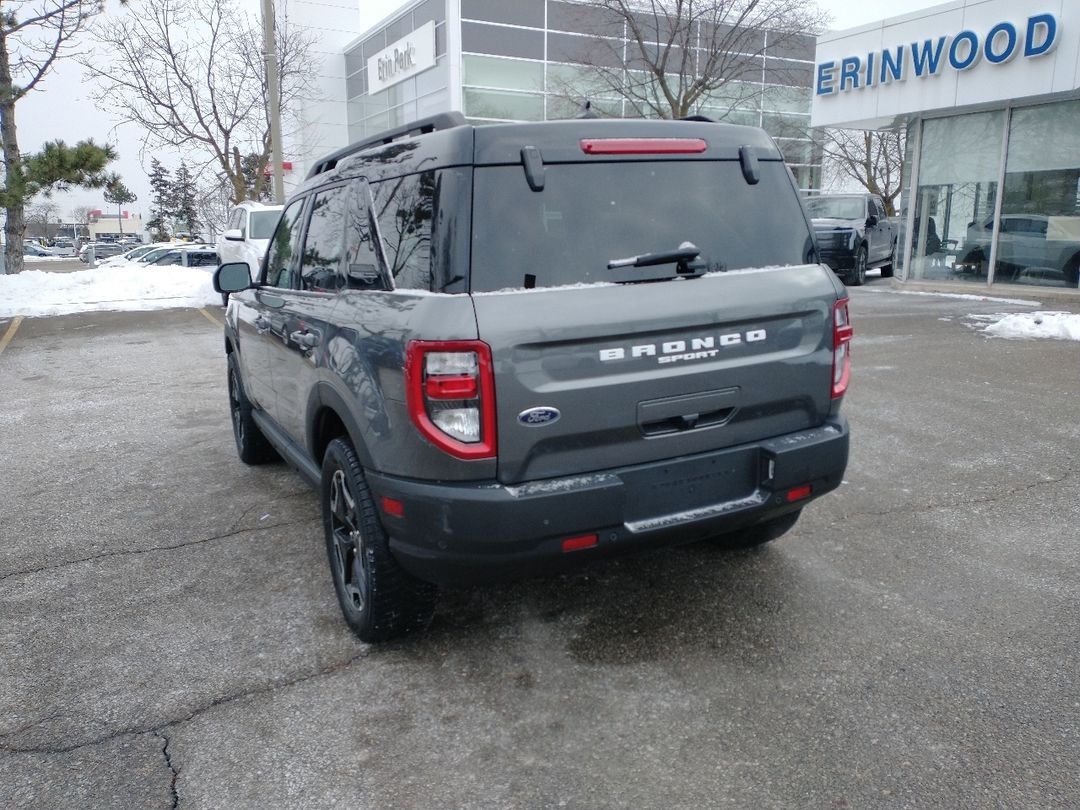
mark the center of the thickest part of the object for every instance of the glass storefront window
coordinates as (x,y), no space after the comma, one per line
(786,99)
(1039,239)
(572,81)
(506,74)
(900,268)
(504,106)
(960,161)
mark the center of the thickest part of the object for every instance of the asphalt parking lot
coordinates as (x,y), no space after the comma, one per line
(170,635)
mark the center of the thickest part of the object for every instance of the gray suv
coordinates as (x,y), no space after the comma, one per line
(499,351)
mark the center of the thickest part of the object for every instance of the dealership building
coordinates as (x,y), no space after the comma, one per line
(521,60)
(988,92)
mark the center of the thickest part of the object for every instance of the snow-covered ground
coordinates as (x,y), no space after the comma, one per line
(1029,325)
(36,293)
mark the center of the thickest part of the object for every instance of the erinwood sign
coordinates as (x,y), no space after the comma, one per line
(412,54)
(964,53)
(961,51)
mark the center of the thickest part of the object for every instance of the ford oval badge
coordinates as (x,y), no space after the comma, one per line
(538,417)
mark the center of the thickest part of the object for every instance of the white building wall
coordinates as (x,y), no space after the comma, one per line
(332,24)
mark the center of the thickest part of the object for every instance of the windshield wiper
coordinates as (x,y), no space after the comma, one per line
(686,253)
(683,258)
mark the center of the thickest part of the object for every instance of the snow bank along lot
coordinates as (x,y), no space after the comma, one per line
(35,293)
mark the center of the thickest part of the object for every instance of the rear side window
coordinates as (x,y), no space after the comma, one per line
(362,261)
(590,214)
(404,208)
(324,243)
(284,246)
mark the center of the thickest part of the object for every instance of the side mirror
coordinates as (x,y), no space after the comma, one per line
(871,221)
(232,277)
(233,235)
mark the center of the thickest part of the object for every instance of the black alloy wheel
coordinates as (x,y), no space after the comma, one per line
(379,599)
(251,445)
(858,274)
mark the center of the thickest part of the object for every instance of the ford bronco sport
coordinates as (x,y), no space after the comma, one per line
(501,350)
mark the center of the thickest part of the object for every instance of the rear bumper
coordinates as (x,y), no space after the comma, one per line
(467,533)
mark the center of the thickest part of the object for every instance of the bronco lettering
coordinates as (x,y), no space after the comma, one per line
(674,351)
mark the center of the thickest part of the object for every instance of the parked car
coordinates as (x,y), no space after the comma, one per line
(64,247)
(248,233)
(102,250)
(36,250)
(134,254)
(494,354)
(853,234)
(185,256)
(1032,248)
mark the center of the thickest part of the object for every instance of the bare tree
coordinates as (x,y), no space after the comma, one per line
(80,215)
(190,74)
(874,160)
(213,202)
(669,58)
(41,218)
(33,35)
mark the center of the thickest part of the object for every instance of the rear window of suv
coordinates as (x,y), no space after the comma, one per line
(589,214)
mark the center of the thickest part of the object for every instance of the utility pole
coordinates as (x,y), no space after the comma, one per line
(272,82)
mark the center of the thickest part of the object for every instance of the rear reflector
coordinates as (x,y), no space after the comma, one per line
(798,493)
(463,387)
(578,543)
(643,146)
(393,507)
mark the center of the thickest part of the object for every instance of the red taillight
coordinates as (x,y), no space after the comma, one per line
(643,146)
(450,394)
(841,364)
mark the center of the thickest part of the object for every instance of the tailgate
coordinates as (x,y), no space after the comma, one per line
(603,376)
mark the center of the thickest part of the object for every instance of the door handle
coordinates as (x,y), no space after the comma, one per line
(305,338)
(261,324)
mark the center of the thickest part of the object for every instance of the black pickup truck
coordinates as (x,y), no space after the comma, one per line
(853,234)
(503,350)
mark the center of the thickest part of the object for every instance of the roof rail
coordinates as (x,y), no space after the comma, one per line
(447,120)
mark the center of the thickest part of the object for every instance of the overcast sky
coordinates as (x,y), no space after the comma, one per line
(63,108)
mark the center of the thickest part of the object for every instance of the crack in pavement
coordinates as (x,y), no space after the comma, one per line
(153,549)
(159,729)
(175,770)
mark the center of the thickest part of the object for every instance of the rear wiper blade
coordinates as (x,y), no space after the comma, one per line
(685,253)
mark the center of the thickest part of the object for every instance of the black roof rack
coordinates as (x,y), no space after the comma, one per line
(447,120)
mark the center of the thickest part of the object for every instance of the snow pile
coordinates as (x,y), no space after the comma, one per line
(46,259)
(35,293)
(1030,325)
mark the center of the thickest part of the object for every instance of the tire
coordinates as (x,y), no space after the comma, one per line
(379,599)
(1072,271)
(857,277)
(251,445)
(759,534)
(887,269)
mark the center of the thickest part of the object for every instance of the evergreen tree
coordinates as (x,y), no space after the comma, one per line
(161,213)
(184,203)
(119,195)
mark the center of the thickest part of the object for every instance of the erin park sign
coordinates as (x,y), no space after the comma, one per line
(961,55)
(412,54)
(961,51)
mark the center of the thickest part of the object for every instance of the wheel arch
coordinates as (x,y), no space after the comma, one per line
(329,418)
